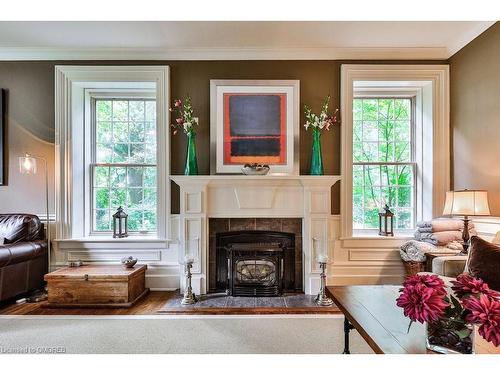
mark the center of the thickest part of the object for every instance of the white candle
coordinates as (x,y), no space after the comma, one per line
(322,258)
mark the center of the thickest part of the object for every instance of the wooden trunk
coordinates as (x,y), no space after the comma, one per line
(96,286)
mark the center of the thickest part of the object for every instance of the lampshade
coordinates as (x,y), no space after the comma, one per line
(27,164)
(467,203)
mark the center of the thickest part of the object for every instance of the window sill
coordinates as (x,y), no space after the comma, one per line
(135,242)
(375,236)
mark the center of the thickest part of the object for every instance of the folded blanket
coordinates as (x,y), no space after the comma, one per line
(441,238)
(414,251)
(442,225)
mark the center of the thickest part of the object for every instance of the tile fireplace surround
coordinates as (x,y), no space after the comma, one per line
(260,202)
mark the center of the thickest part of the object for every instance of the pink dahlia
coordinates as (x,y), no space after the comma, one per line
(485,311)
(422,303)
(428,280)
(466,284)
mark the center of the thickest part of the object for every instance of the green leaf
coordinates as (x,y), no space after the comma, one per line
(463,333)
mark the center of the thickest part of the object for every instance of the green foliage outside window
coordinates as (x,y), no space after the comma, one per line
(383,170)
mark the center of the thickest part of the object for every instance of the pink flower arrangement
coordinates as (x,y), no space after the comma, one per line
(465,284)
(323,120)
(484,311)
(424,299)
(185,119)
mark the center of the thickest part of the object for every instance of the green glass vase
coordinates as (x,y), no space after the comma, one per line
(316,158)
(191,168)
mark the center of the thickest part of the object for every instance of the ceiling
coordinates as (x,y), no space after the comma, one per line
(235,40)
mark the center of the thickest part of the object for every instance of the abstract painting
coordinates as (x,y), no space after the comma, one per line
(254,122)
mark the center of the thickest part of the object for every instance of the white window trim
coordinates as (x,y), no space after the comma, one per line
(71,85)
(435,83)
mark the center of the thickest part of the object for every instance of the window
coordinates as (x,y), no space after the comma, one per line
(124,162)
(384,167)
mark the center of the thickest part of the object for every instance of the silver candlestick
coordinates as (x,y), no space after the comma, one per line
(322,299)
(189,297)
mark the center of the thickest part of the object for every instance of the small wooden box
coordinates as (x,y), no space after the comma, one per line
(96,286)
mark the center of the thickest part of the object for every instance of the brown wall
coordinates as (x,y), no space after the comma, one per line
(475,116)
(30,119)
(30,128)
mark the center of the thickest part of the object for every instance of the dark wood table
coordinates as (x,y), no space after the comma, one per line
(372,311)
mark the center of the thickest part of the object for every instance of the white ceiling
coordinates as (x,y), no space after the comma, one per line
(235,40)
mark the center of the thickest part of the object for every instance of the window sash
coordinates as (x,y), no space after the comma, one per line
(412,153)
(93,164)
(414,168)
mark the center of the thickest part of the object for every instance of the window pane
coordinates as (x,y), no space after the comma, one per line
(120,110)
(150,176)
(118,198)
(136,110)
(120,152)
(104,153)
(104,132)
(125,133)
(136,132)
(135,176)
(101,220)
(103,110)
(101,198)
(150,110)
(370,109)
(402,109)
(101,177)
(386,109)
(382,134)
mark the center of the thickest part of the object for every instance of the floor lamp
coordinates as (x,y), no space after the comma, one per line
(28,165)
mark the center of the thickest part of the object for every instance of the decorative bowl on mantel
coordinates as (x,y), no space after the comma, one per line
(255,169)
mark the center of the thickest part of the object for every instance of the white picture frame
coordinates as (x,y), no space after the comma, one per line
(291,89)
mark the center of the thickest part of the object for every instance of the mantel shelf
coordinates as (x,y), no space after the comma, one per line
(305,180)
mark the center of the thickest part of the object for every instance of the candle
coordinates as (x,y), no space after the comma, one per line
(322,258)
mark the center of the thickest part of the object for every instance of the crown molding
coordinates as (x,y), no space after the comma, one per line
(361,53)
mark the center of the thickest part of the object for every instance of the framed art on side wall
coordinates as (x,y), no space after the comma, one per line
(254,122)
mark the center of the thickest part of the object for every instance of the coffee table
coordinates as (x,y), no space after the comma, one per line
(372,311)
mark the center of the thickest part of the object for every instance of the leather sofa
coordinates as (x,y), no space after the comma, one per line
(23,256)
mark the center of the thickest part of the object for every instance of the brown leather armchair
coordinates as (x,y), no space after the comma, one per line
(23,256)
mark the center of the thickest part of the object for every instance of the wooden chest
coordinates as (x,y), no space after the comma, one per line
(96,286)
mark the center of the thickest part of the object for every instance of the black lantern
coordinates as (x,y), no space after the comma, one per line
(385,222)
(120,224)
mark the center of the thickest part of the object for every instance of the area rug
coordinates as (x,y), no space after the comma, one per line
(258,334)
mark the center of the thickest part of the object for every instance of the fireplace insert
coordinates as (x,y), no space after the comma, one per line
(255,263)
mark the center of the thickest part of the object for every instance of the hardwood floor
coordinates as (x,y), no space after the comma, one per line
(146,306)
(169,303)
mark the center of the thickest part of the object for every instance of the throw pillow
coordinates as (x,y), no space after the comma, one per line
(484,262)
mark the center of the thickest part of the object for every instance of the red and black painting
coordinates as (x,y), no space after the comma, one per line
(255,128)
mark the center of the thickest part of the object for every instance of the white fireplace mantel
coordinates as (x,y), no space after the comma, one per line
(236,196)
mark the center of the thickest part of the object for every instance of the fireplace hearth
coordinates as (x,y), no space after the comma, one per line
(255,263)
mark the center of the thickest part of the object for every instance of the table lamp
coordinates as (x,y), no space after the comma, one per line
(466,203)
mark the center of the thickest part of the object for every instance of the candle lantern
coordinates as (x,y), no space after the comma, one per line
(120,222)
(386,222)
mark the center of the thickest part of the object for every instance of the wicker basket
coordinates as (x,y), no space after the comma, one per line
(412,268)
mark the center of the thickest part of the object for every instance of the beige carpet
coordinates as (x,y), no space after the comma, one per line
(178,334)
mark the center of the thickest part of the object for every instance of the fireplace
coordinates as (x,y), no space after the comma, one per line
(255,262)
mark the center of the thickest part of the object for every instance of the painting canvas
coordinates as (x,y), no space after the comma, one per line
(254,122)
